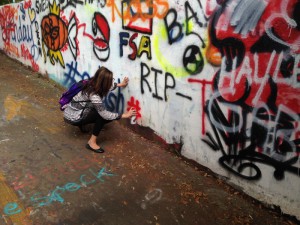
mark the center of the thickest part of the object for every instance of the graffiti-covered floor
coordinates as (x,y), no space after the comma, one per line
(47,177)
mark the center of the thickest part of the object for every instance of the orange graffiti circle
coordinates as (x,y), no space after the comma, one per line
(54,32)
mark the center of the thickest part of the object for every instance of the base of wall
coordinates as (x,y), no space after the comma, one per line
(150,135)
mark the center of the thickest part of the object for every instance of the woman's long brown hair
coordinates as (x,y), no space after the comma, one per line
(100,83)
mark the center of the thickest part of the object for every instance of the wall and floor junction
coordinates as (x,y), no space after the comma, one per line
(218,77)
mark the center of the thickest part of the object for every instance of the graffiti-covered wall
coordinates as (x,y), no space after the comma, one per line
(221,78)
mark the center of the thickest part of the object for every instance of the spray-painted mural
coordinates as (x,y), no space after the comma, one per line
(221,78)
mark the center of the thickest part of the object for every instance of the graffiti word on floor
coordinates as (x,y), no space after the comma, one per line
(56,195)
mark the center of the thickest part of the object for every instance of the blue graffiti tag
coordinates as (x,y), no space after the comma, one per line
(11,208)
(115,103)
(74,75)
(56,195)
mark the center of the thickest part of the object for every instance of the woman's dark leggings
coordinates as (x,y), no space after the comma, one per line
(94,117)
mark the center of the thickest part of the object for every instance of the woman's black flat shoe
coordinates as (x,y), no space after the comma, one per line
(100,150)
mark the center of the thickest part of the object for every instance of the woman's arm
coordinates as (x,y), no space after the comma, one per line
(129,114)
(124,83)
(99,105)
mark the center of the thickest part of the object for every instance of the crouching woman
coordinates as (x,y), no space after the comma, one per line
(88,106)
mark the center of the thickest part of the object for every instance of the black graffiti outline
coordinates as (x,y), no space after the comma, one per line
(238,156)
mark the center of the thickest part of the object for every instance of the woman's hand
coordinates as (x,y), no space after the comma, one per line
(124,83)
(129,114)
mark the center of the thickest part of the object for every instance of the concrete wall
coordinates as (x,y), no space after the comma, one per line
(219,78)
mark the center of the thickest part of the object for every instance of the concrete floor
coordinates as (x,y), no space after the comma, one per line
(47,177)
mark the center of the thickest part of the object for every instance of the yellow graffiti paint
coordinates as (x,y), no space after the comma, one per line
(190,25)
(15,107)
(166,64)
(57,56)
(145,47)
(18,215)
(89,9)
(163,61)
(12,107)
